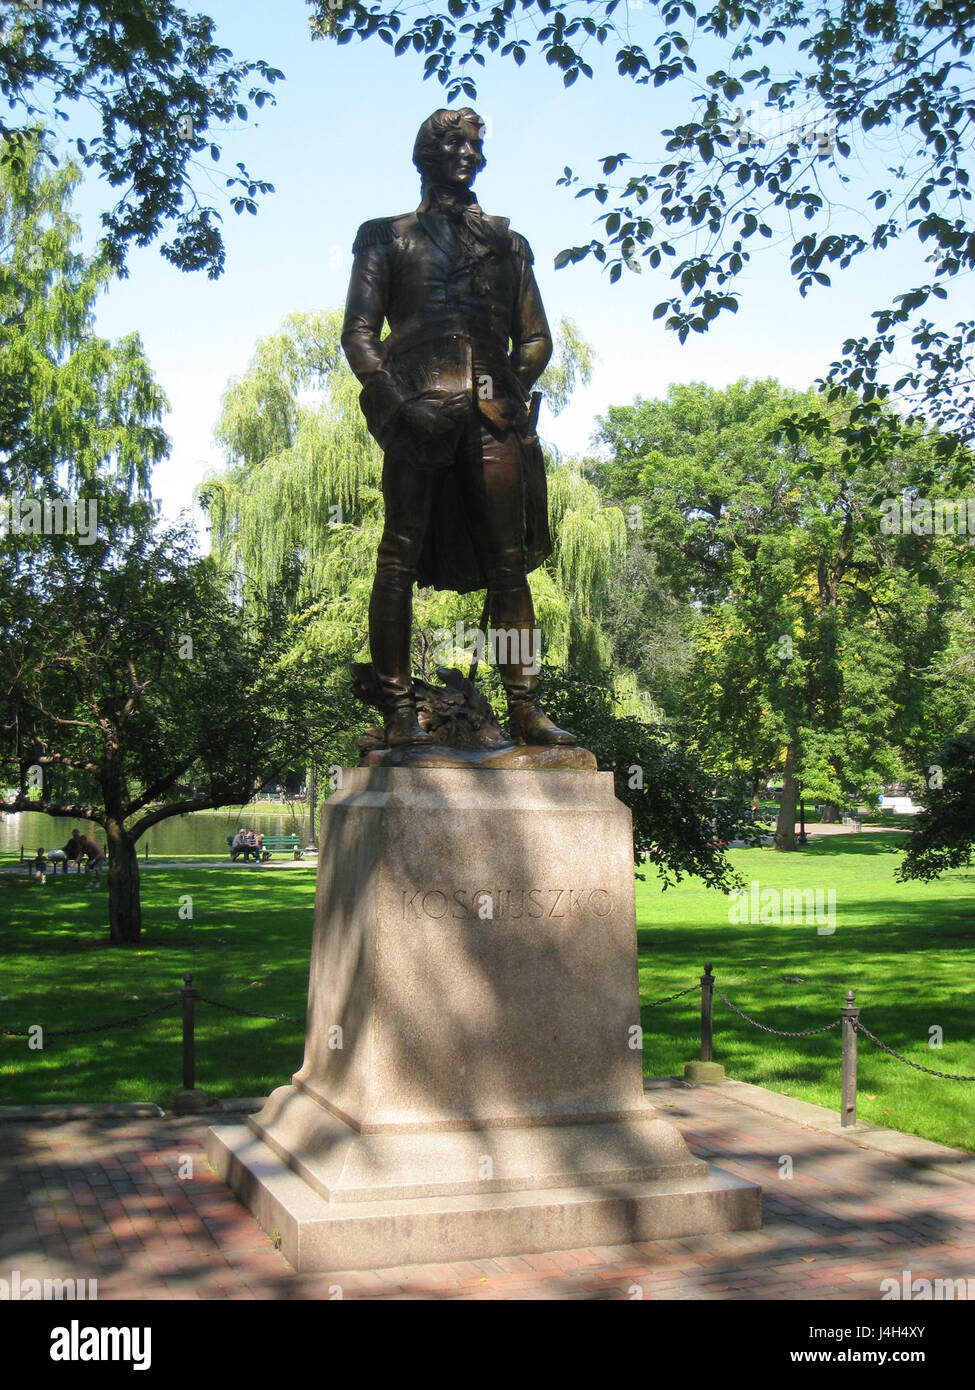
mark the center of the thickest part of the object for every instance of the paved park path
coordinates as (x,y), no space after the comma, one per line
(110,1199)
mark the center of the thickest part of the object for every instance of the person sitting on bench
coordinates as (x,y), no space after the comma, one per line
(245,843)
(58,856)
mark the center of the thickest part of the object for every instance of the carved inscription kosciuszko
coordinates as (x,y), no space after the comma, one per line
(504,904)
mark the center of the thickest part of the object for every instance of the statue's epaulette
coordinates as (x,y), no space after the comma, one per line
(379,232)
(520,247)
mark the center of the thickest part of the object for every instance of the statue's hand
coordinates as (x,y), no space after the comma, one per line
(435,416)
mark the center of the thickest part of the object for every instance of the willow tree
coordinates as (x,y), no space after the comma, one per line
(74,408)
(590,542)
(297,512)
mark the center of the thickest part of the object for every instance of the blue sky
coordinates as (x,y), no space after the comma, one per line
(337,147)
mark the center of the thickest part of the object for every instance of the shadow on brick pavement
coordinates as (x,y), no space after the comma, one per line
(134,1205)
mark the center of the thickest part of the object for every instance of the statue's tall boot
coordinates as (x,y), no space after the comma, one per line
(389,642)
(527,721)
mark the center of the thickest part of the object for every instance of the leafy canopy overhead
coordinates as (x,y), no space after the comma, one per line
(159,87)
(769,142)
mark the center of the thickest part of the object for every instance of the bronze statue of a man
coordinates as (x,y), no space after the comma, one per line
(444,395)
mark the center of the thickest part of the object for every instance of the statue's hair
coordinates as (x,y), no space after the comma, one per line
(426,146)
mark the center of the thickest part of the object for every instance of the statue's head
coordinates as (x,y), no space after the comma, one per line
(449,148)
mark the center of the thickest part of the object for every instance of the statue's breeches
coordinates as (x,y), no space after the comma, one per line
(489,487)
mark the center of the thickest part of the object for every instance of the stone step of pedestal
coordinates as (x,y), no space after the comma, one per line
(316,1234)
(344,1166)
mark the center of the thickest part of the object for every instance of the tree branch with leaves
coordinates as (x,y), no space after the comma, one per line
(758,159)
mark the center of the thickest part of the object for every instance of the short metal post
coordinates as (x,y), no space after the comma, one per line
(848,1103)
(707,1012)
(189,994)
(147,851)
(705,1072)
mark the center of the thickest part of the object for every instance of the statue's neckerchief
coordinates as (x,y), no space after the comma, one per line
(479,242)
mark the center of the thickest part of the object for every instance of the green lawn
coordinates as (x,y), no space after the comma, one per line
(906,950)
(247,945)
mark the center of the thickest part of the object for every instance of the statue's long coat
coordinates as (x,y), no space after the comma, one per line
(411,272)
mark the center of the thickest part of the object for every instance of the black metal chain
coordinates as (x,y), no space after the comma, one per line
(667,998)
(779,1032)
(947,1075)
(235,1009)
(95,1028)
(287,1018)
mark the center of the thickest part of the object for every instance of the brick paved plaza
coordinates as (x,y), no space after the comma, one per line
(103,1198)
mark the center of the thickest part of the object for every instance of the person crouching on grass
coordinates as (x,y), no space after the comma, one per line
(39,867)
(95,859)
(95,866)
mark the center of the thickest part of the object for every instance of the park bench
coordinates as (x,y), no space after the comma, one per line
(27,861)
(269,844)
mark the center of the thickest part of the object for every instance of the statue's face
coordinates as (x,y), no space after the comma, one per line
(460,154)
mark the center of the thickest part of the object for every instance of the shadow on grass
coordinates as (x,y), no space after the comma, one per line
(886,842)
(246,949)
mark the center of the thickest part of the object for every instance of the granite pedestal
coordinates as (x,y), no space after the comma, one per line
(472,1080)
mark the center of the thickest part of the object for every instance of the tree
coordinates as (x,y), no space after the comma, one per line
(683,815)
(74,408)
(817,627)
(160,88)
(100,712)
(943,834)
(296,514)
(138,691)
(755,152)
(652,632)
(948,707)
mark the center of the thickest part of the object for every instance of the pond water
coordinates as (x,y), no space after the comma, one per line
(189,834)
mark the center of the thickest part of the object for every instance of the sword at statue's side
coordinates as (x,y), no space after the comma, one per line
(534,406)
